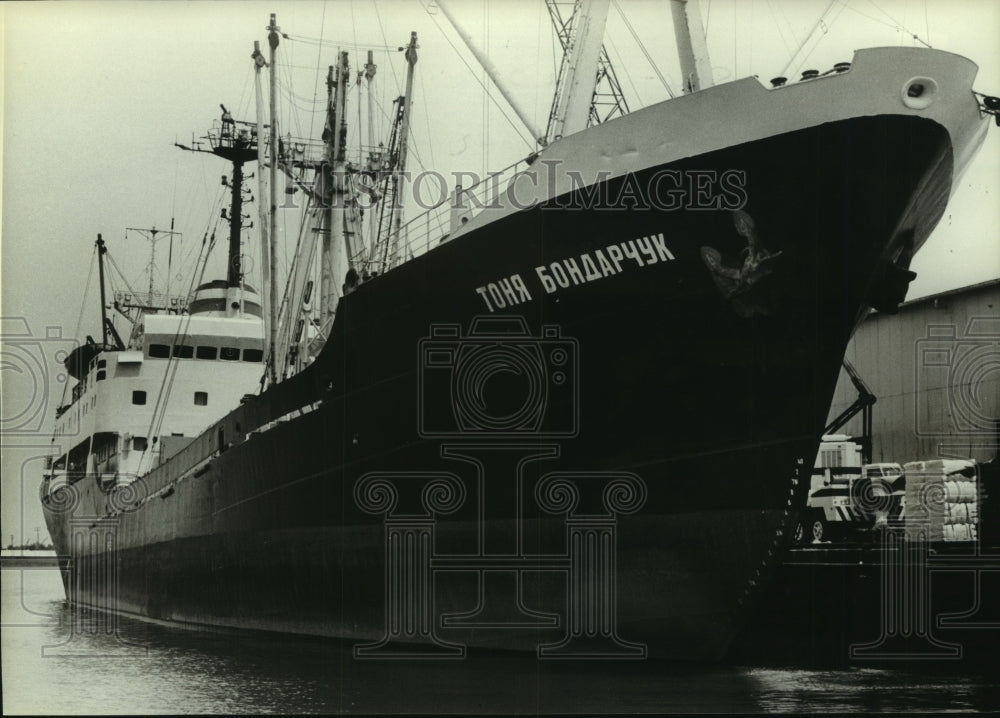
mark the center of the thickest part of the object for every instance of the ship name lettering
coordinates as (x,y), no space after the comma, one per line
(645,251)
(588,265)
(504,293)
(572,271)
(606,267)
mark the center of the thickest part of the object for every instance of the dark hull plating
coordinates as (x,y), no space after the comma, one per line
(713,404)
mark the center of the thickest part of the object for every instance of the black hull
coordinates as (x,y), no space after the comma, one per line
(711,405)
(874,607)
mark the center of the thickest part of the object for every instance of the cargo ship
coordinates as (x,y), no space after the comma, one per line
(575,419)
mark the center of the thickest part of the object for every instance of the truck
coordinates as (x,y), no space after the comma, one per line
(849,500)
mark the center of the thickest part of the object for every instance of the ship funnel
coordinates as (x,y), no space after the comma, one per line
(218,299)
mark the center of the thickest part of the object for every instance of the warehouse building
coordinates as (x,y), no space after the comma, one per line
(934,369)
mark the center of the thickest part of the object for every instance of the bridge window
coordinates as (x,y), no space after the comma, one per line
(101,374)
(206,352)
(159,351)
(229,354)
(138,397)
(183,351)
(201,398)
(255,355)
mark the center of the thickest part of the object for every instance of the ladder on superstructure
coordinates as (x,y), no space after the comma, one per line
(382,244)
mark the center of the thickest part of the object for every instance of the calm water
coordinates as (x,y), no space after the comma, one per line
(156,669)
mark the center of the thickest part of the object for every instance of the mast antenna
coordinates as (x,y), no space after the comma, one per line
(152,235)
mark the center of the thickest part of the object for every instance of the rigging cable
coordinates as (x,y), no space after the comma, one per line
(121,274)
(392,66)
(337,43)
(166,386)
(319,53)
(628,75)
(781,31)
(819,25)
(927,24)
(642,47)
(895,24)
(243,103)
(538,63)
(354,23)
(531,145)
(486,94)
(427,120)
(79,319)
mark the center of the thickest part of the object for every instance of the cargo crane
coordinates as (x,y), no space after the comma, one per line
(862,404)
(847,490)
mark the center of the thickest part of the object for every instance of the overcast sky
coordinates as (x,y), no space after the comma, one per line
(96,93)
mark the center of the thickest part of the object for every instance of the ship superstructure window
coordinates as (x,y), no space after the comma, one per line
(206,353)
(139,443)
(183,351)
(102,375)
(255,355)
(201,398)
(105,446)
(138,397)
(229,354)
(159,351)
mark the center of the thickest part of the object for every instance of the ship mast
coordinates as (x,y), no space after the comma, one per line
(108,330)
(370,68)
(334,237)
(692,49)
(266,230)
(404,131)
(272,41)
(326,280)
(608,99)
(233,142)
(101,249)
(578,75)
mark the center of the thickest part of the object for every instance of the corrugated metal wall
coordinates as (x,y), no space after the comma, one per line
(935,368)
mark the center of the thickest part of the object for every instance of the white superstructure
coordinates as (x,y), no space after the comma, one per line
(133,408)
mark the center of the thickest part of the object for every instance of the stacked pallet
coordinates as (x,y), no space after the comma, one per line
(942,500)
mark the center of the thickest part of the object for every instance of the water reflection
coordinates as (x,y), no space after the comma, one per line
(877,690)
(51,665)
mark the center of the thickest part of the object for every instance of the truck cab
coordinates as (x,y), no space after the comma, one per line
(849,500)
